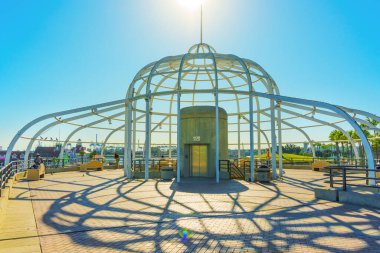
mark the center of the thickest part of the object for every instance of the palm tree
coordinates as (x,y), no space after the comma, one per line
(343,139)
(373,122)
(81,153)
(336,136)
(376,141)
(317,146)
(354,136)
(366,132)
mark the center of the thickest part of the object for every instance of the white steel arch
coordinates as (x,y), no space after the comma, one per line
(298,129)
(45,128)
(208,78)
(81,128)
(356,152)
(52,115)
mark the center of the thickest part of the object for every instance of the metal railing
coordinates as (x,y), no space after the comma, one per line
(139,164)
(236,171)
(232,169)
(239,169)
(225,165)
(6,172)
(349,174)
(53,162)
(294,162)
(258,163)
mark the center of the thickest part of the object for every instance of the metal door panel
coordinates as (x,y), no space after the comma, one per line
(198,160)
(203,160)
(195,160)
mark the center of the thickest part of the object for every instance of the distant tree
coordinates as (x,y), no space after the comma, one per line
(317,145)
(336,136)
(156,151)
(291,149)
(365,131)
(343,139)
(354,136)
(375,133)
(372,122)
(81,154)
(92,154)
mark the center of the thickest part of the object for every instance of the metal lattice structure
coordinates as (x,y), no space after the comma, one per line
(257,113)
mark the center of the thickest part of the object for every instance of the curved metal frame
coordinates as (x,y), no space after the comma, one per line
(196,66)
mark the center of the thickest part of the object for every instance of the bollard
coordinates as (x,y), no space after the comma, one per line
(344,180)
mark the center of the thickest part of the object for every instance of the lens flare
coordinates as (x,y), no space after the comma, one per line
(184,234)
(191,4)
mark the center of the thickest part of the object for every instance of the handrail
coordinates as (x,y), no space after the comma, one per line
(139,164)
(223,164)
(6,172)
(235,167)
(346,175)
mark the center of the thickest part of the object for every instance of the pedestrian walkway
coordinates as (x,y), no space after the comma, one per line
(18,231)
(102,211)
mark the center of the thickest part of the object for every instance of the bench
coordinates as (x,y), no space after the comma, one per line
(318,165)
(36,174)
(95,165)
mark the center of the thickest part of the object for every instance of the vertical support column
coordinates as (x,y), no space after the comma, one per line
(217,133)
(238,118)
(128,161)
(216,94)
(179,118)
(170,126)
(126,140)
(273,135)
(150,133)
(170,136)
(147,135)
(133,146)
(279,126)
(258,135)
(251,140)
(178,134)
(134,134)
(217,172)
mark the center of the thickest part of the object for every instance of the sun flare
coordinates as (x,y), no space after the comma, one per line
(190,4)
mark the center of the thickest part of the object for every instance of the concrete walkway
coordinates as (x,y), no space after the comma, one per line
(18,230)
(103,212)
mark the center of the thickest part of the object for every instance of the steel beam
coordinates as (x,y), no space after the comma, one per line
(52,115)
(83,127)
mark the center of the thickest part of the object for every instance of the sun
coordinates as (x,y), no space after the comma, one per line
(191,4)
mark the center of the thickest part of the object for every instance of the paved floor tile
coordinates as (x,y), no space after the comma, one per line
(104,212)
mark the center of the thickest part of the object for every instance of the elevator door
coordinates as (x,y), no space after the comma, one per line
(198,160)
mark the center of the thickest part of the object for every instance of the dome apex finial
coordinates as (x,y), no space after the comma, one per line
(201,48)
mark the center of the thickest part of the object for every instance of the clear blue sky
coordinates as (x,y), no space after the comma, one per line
(56,55)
